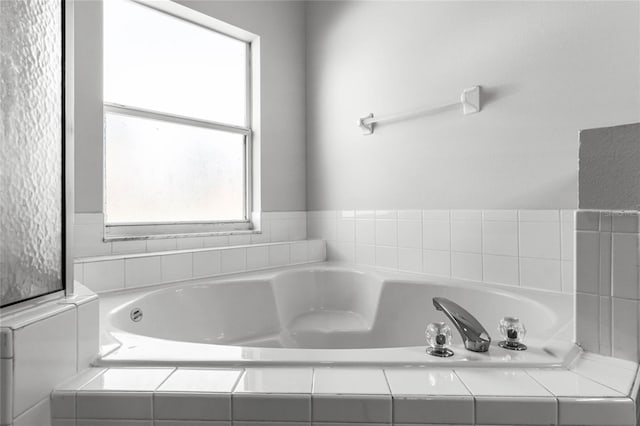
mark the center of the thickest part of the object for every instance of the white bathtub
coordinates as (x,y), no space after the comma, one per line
(322,314)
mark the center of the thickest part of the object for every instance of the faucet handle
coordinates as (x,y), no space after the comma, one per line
(438,335)
(513,332)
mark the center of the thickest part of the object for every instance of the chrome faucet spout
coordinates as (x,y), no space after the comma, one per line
(474,336)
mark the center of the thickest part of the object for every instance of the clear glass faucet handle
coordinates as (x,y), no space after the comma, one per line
(512,330)
(438,335)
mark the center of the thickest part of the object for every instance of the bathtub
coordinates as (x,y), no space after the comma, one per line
(322,314)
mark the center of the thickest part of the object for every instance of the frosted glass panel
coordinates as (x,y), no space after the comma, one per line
(30,149)
(156,61)
(164,172)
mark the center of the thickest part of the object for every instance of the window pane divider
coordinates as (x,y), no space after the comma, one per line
(178,119)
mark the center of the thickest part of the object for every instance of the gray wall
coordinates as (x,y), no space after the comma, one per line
(280,24)
(610,168)
(548,70)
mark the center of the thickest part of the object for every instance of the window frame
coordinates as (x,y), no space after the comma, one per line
(147,230)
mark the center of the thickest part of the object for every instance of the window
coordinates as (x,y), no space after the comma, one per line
(177,132)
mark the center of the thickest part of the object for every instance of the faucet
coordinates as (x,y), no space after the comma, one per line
(474,336)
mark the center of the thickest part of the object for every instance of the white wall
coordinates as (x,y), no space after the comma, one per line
(548,70)
(280,24)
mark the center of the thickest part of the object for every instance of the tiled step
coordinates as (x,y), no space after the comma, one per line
(305,395)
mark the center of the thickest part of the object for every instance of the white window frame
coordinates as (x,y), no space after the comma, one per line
(146,230)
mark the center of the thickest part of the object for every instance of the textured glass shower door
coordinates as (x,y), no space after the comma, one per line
(31,149)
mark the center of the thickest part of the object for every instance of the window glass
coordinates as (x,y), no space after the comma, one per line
(159,62)
(165,172)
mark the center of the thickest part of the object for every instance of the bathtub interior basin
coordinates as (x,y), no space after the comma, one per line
(320,308)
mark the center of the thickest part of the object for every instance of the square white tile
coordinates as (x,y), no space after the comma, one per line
(436,235)
(351,409)
(206,263)
(539,239)
(501,382)
(365,254)
(103,276)
(466,266)
(201,407)
(177,267)
(114,405)
(364,381)
(386,232)
(258,257)
(387,257)
(45,354)
(275,380)
(279,254)
(466,237)
(543,274)
(500,238)
(500,270)
(299,252)
(410,259)
(233,260)
(604,411)
(436,262)
(510,411)
(346,230)
(139,271)
(410,234)
(424,382)
(365,231)
(569,384)
(200,380)
(128,379)
(271,407)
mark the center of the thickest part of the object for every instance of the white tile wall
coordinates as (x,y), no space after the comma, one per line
(608,283)
(274,227)
(105,266)
(129,271)
(531,248)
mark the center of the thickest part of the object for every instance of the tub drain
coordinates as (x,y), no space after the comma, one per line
(136,314)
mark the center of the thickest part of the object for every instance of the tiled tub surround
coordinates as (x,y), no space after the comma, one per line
(118,272)
(115,265)
(595,390)
(309,314)
(608,282)
(528,248)
(41,345)
(274,227)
